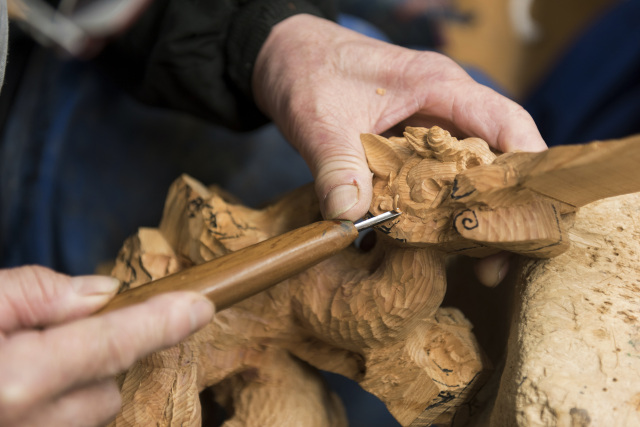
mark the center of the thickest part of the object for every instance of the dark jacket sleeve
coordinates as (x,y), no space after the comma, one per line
(198,56)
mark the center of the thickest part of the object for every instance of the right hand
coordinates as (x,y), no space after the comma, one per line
(320,83)
(57,366)
(325,95)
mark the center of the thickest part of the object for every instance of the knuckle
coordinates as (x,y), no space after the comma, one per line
(516,110)
(44,280)
(31,290)
(435,66)
(335,156)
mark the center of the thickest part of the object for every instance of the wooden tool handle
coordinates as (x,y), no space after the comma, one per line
(241,274)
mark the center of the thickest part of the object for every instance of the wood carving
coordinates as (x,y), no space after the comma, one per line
(357,314)
(373,316)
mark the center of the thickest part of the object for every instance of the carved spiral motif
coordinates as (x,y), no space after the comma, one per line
(466,219)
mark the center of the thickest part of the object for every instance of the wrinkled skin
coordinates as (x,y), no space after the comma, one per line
(326,94)
(322,98)
(56,365)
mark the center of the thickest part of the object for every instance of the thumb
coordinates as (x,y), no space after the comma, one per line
(37,296)
(342,178)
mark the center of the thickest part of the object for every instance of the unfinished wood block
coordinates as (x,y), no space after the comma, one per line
(574,353)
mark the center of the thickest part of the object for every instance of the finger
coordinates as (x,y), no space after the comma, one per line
(491,270)
(342,180)
(93,405)
(449,93)
(496,119)
(36,296)
(339,166)
(37,365)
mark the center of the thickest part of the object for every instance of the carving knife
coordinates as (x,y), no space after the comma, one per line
(246,272)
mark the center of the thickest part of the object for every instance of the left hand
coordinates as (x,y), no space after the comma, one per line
(58,366)
(320,83)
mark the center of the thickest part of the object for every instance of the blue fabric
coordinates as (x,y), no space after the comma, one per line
(593,92)
(361,26)
(82,166)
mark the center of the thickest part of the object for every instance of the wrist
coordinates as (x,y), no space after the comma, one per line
(305,54)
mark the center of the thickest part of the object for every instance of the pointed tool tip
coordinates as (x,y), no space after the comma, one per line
(378,219)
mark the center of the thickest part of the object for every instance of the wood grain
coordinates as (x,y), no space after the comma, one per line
(373,316)
(520,202)
(357,314)
(574,349)
(241,274)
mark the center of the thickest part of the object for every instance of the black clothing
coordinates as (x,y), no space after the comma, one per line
(82,165)
(198,55)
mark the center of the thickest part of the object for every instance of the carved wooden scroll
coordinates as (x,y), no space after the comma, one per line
(373,316)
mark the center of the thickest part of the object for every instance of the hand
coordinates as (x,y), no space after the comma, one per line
(56,366)
(320,83)
(324,85)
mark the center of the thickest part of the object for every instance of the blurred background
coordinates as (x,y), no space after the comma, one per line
(83,165)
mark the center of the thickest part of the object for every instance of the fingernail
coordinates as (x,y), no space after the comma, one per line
(502,272)
(201,313)
(340,199)
(95,285)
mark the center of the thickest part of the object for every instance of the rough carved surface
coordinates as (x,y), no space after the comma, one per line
(459,198)
(357,314)
(373,316)
(574,350)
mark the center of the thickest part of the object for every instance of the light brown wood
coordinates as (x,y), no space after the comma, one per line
(574,174)
(461,198)
(509,229)
(416,174)
(239,275)
(356,314)
(573,354)
(373,316)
